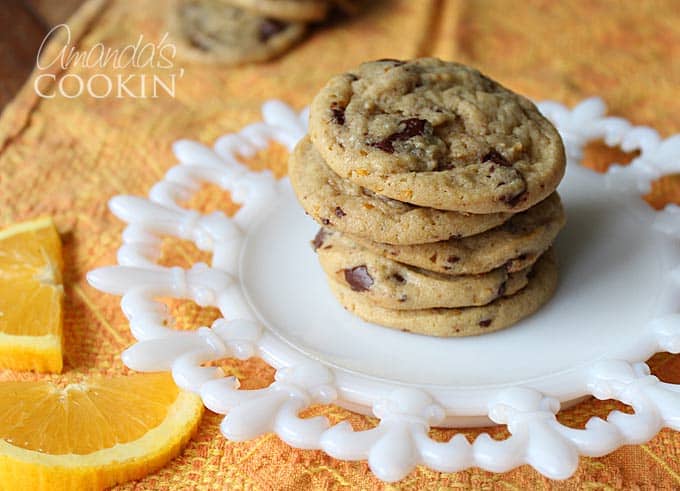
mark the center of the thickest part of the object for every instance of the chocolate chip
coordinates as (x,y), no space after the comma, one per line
(433,258)
(269,28)
(512,201)
(398,278)
(319,238)
(452,259)
(495,157)
(501,289)
(196,43)
(384,145)
(338,113)
(339,212)
(531,273)
(358,278)
(444,165)
(325,221)
(485,323)
(412,127)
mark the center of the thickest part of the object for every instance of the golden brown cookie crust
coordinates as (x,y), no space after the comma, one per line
(340,204)
(437,134)
(515,245)
(467,321)
(394,285)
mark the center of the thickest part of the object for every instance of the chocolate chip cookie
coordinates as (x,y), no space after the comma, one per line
(467,321)
(291,10)
(393,285)
(515,245)
(340,204)
(437,134)
(212,31)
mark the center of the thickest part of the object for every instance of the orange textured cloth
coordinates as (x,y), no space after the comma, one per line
(67,156)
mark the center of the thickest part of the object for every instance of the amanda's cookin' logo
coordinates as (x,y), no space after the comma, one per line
(146,70)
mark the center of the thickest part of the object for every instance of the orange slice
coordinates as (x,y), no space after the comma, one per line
(92,434)
(31,297)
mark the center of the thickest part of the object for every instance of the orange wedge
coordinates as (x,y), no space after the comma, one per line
(31,297)
(92,434)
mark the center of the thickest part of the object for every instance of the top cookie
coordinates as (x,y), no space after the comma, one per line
(437,134)
(293,10)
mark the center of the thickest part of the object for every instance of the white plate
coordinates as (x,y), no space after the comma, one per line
(615,306)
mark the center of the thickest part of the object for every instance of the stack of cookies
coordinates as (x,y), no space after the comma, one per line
(435,190)
(241,31)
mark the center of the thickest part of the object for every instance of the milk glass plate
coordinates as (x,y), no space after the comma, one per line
(615,306)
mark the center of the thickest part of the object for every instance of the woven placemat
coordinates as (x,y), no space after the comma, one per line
(67,156)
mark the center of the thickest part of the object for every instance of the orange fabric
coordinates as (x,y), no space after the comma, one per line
(67,157)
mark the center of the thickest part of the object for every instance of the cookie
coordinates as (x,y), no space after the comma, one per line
(342,205)
(394,285)
(291,10)
(515,245)
(437,134)
(467,321)
(212,31)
